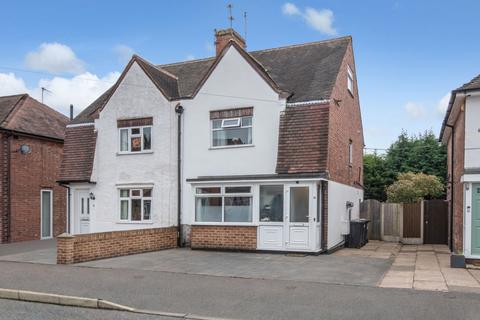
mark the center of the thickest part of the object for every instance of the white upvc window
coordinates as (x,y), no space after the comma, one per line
(350,79)
(223,204)
(135,204)
(135,139)
(232,131)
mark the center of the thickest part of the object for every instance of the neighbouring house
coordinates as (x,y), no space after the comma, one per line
(258,150)
(461,133)
(32,204)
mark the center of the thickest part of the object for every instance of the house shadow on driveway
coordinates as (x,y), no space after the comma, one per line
(322,268)
(37,251)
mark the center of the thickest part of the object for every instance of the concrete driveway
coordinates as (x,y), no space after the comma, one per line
(37,251)
(323,268)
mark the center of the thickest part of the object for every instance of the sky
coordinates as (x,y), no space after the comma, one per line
(409,55)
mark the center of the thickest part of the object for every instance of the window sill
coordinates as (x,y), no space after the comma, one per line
(134,222)
(232,147)
(133,153)
(228,224)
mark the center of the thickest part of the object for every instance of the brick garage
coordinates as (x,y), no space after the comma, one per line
(224,237)
(94,246)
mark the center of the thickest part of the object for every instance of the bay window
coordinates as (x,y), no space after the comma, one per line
(136,204)
(223,204)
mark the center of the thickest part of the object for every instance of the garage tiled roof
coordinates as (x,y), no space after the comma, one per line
(22,113)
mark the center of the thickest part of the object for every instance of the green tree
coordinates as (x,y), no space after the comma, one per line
(418,154)
(375,180)
(414,187)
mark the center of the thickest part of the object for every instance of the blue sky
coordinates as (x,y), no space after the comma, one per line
(409,54)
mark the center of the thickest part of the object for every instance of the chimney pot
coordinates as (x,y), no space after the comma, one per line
(224,36)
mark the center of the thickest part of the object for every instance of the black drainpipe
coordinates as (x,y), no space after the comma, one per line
(452,184)
(179,111)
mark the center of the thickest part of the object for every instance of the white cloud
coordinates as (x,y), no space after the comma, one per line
(443,104)
(290,9)
(415,110)
(56,58)
(123,52)
(80,90)
(319,20)
(10,84)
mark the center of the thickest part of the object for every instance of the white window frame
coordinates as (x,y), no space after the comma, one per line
(222,195)
(350,82)
(51,213)
(222,127)
(129,198)
(129,140)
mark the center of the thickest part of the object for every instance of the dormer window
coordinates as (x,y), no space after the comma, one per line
(231,127)
(350,79)
(135,135)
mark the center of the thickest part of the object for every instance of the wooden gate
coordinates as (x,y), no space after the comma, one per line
(371,209)
(412,220)
(435,222)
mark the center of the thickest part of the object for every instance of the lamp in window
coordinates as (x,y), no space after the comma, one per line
(91,196)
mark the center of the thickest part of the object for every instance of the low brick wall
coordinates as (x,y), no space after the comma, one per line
(94,246)
(224,237)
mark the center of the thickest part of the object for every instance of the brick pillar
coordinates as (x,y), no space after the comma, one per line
(4,188)
(65,248)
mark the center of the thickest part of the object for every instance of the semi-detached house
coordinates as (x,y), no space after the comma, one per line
(256,150)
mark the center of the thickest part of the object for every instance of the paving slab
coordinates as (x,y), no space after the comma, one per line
(428,275)
(460,278)
(430,285)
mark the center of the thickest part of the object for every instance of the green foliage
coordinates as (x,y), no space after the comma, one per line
(418,154)
(414,187)
(375,180)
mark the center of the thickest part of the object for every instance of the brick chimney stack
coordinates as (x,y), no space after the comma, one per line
(222,37)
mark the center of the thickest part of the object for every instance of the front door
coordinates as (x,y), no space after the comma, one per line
(476,219)
(83,211)
(297,217)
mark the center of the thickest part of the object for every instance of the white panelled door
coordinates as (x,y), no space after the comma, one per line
(83,211)
(297,217)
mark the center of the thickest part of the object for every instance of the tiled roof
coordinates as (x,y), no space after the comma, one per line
(303,139)
(471,85)
(307,71)
(22,113)
(78,154)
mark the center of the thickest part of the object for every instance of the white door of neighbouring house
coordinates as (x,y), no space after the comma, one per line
(298,221)
(46,220)
(83,211)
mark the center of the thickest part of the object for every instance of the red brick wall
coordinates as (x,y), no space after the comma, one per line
(30,173)
(459,164)
(224,237)
(94,246)
(345,125)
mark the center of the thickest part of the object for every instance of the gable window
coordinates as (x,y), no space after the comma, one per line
(350,79)
(350,153)
(223,204)
(136,204)
(231,132)
(135,139)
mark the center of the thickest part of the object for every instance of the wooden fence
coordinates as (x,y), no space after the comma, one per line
(395,222)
